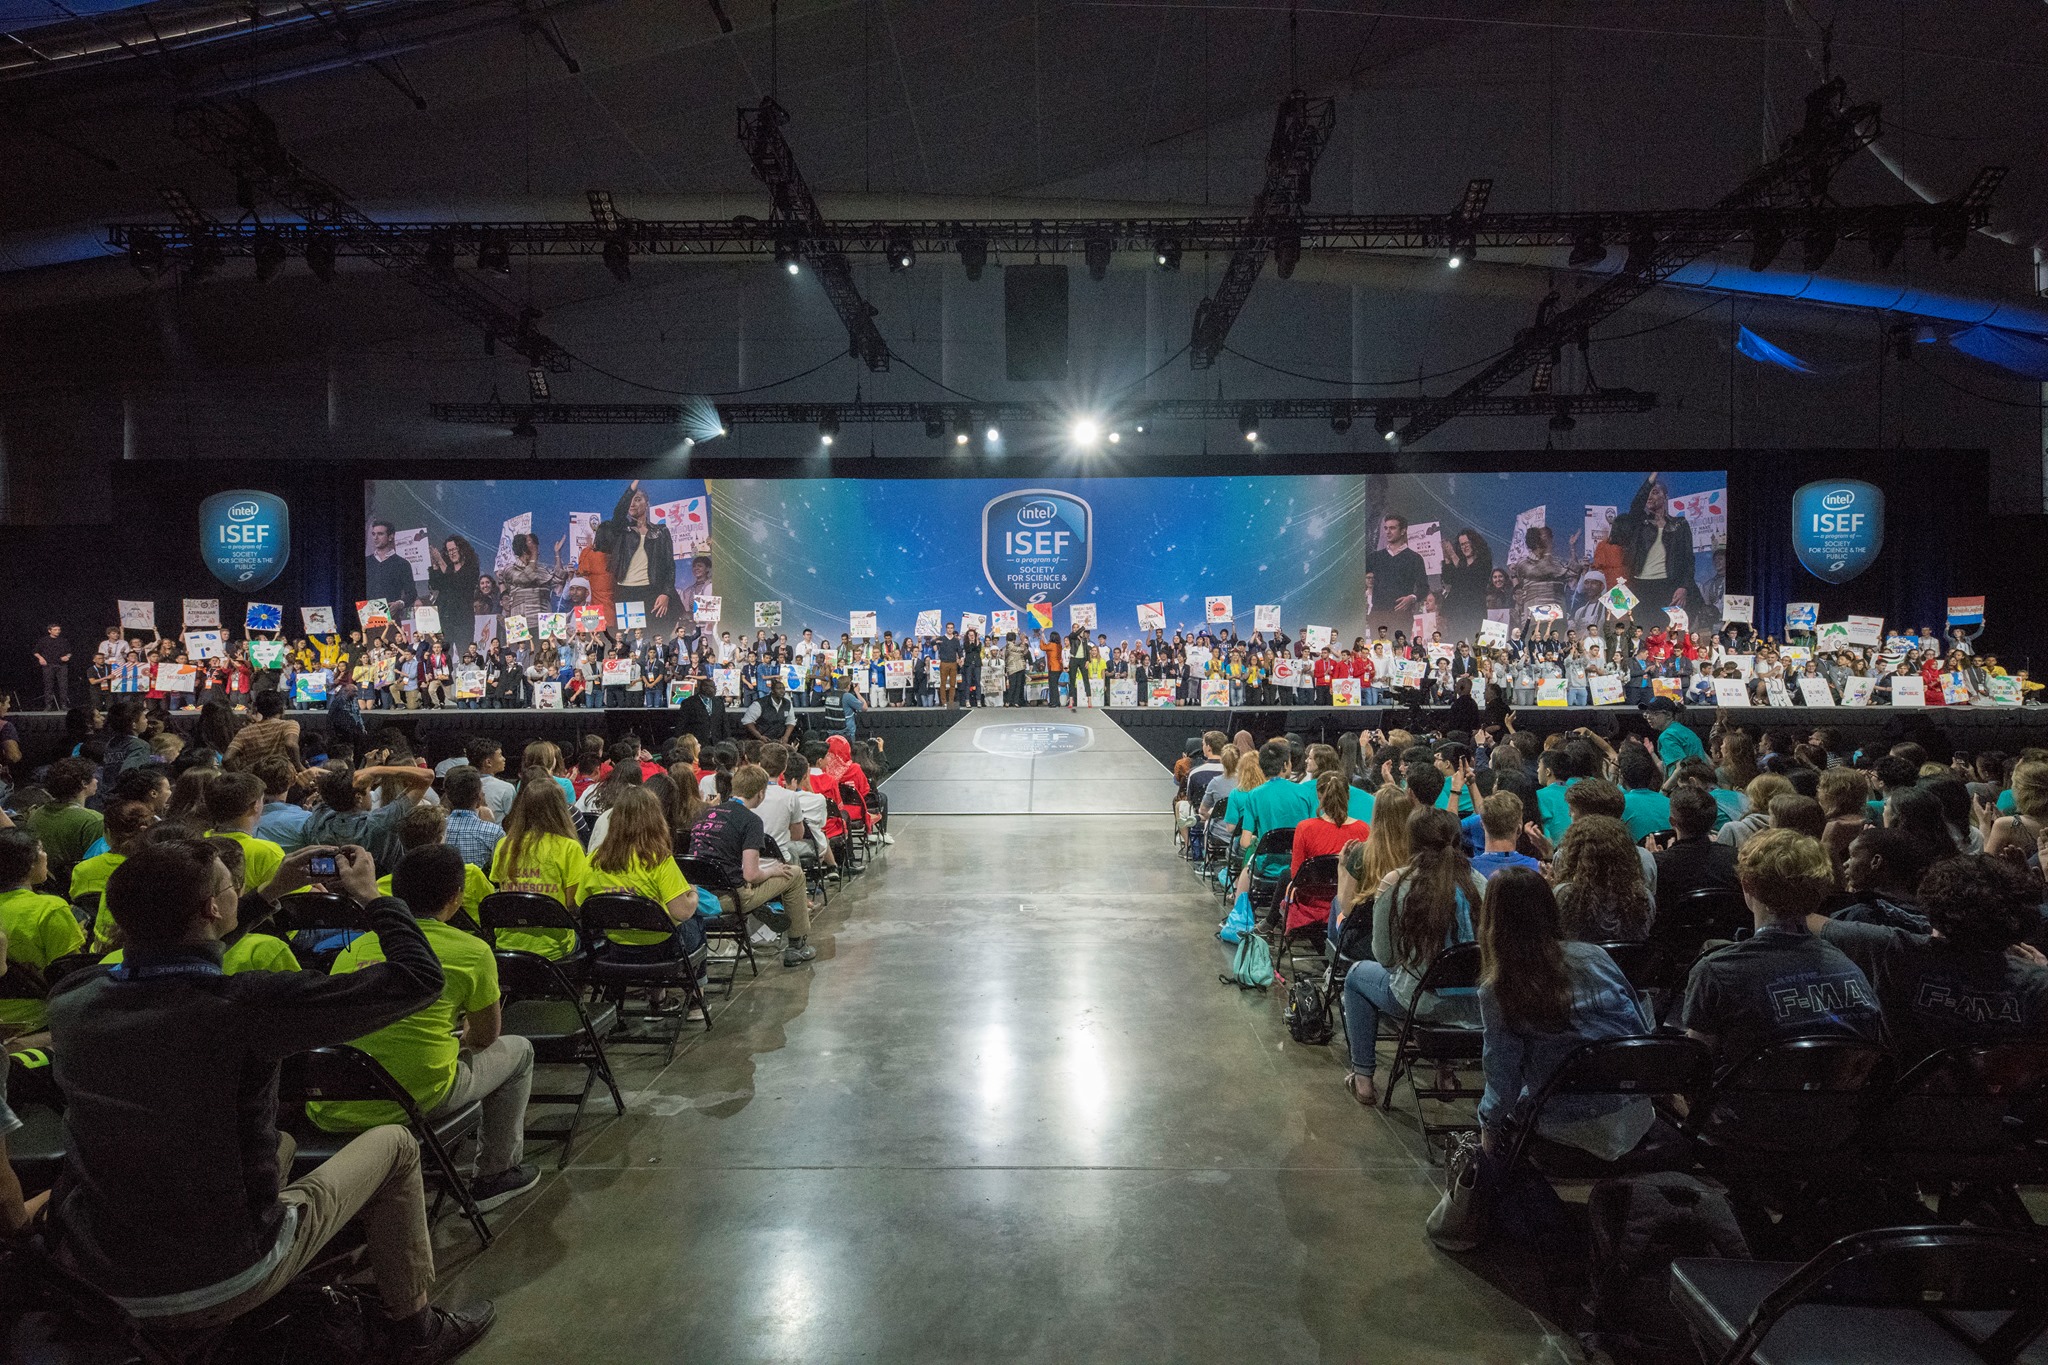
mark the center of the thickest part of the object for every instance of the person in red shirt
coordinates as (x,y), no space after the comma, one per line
(1324,670)
(1327,831)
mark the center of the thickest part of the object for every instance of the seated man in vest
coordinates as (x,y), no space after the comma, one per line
(166,1056)
(449,1053)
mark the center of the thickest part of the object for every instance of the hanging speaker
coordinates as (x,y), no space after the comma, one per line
(1035,322)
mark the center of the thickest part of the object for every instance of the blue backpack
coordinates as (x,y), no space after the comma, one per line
(1252,967)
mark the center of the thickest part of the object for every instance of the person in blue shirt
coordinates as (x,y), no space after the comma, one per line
(1560,768)
(1500,816)
(1645,809)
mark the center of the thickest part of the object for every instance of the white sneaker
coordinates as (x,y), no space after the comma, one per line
(888,838)
(722,948)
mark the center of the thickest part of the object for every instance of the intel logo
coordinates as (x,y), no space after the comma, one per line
(1036,513)
(243,511)
(1840,498)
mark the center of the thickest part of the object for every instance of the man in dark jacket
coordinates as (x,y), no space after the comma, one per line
(172,1199)
(1657,548)
(703,716)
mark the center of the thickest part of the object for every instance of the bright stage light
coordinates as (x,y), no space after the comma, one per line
(1086,431)
(1115,436)
(959,438)
(995,434)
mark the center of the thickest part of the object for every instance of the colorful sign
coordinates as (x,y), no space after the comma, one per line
(861,625)
(263,616)
(1966,611)
(1216,611)
(138,615)
(1151,616)
(767,615)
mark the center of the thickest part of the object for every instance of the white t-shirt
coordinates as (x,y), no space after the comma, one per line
(113,651)
(778,811)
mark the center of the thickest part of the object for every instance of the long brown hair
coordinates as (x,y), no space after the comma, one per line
(1426,914)
(1387,850)
(1249,773)
(1521,952)
(637,831)
(1599,861)
(686,803)
(1333,796)
(538,809)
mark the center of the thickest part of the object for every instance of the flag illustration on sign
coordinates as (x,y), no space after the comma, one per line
(1040,614)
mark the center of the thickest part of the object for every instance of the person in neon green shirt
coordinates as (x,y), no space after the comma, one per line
(539,853)
(637,855)
(242,949)
(39,929)
(453,1052)
(127,821)
(427,825)
(234,802)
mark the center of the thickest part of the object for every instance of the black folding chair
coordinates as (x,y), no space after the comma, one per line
(1274,846)
(1656,1067)
(526,910)
(622,967)
(1445,1046)
(1793,1108)
(36,1149)
(1315,880)
(310,920)
(349,1073)
(1970,1124)
(1897,1296)
(543,1006)
(730,924)
(858,839)
(1679,933)
(1642,964)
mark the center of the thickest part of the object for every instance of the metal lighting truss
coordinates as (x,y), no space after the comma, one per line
(796,226)
(957,417)
(241,138)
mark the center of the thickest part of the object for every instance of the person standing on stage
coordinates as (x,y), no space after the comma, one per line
(387,573)
(454,575)
(53,655)
(970,667)
(1016,664)
(947,648)
(1079,650)
(1657,548)
(642,556)
(1054,656)
(1399,579)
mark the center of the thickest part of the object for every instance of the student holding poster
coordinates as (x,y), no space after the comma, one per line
(1657,548)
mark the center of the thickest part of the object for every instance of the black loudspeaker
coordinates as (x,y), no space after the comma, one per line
(1035,321)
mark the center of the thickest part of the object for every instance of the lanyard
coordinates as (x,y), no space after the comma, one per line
(128,972)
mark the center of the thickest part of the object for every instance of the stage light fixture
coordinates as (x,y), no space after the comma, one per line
(1286,251)
(1886,239)
(1817,245)
(1166,253)
(1457,259)
(441,255)
(1341,422)
(973,254)
(960,438)
(270,255)
(204,260)
(1248,423)
(617,258)
(494,254)
(788,253)
(901,250)
(1384,425)
(993,434)
(1588,248)
(1086,431)
(1115,436)
(934,426)
(320,258)
(1562,420)
(1766,240)
(828,428)
(146,253)
(1140,428)
(1096,252)
(537,384)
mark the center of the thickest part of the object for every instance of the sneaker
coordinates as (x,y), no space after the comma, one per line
(489,1191)
(888,838)
(448,1335)
(722,948)
(798,952)
(696,1014)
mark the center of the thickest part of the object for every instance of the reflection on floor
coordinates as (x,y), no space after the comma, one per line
(1009,1114)
(1038,760)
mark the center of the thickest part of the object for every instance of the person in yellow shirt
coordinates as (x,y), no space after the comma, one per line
(234,803)
(126,821)
(638,855)
(452,1053)
(424,826)
(539,853)
(243,948)
(39,929)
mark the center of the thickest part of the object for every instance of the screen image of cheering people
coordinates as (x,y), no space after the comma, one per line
(1439,552)
(629,553)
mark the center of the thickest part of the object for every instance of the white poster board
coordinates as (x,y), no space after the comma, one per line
(547,696)
(1002,621)
(1518,547)
(426,620)
(1814,691)
(1151,616)
(1081,616)
(928,623)
(861,625)
(1866,630)
(1494,634)
(412,548)
(767,615)
(1731,692)
(202,612)
(318,620)
(1738,609)
(1266,617)
(1776,693)
(1604,689)
(1215,692)
(1345,691)
(1550,692)
(205,644)
(520,525)
(1858,691)
(1216,611)
(1908,690)
(1318,637)
(1123,692)
(138,615)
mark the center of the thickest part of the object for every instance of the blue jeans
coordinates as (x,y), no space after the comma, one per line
(1368,992)
(1575,696)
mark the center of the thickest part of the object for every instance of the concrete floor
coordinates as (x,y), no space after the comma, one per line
(1009,1114)
(1033,761)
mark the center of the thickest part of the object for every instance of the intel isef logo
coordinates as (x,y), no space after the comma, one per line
(1837,527)
(245,537)
(1037,544)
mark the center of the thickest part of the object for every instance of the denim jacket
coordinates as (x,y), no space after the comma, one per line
(1518,1064)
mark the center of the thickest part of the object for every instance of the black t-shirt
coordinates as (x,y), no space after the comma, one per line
(1782,983)
(1936,996)
(53,648)
(723,834)
(947,647)
(1396,575)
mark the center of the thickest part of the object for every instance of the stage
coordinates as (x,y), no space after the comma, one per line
(1160,731)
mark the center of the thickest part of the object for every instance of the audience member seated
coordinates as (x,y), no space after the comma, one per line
(730,836)
(1275,803)
(1327,832)
(1601,894)
(125,820)
(64,824)
(39,929)
(271,735)
(638,856)
(1427,907)
(1693,861)
(283,819)
(473,829)
(1881,880)
(1543,993)
(167,1054)
(234,803)
(540,854)
(424,826)
(15,1212)
(812,844)
(1970,978)
(1598,796)
(1757,796)
(452,1052)
(1784,981)
(344,817)
(1501,817)
(1843,794)
(1646,810)
(243,948)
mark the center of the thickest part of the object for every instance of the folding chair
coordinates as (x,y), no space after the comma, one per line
(1653,1067)
(502,910)
(857,837)
(1275,845)
(1680,933)
(621,967)
(1971,1124)
(1793,1108)
(1897,1296)
(1642,964)
(1315,880)
(1456,968)
(732,924)
(544,1007)
(319,924)
(349,1073)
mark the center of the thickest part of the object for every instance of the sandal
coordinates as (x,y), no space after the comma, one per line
(1351,1083)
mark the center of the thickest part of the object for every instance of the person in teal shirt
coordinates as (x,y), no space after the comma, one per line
(1276,803)
(1645,810)
(1675,742)
(1560,768)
